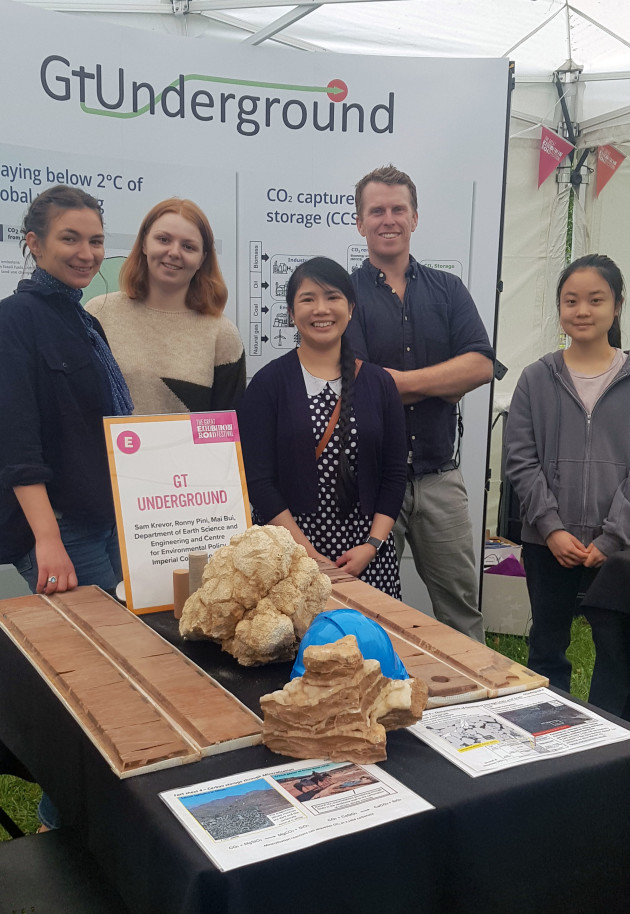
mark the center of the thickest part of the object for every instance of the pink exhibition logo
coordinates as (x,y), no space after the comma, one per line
(210,428)
(128,442)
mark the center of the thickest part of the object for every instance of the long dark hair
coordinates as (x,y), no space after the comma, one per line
(610,272)
(329,274)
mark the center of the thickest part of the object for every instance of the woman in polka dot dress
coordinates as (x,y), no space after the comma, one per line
(340,504)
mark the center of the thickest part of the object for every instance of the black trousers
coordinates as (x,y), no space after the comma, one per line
(553,593)
(606,605)
(610,685)
(556,596)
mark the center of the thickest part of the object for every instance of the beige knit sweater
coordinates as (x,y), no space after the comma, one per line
(173,362)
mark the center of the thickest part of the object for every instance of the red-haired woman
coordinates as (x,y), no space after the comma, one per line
(166,328)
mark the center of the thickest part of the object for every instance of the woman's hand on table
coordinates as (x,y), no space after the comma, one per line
(356,560)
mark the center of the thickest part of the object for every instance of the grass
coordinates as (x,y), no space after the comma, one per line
(19,798)
(581,653)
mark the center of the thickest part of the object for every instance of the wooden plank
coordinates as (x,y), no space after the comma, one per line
(468,668)
(107,706)
(141,702)
(145,705)
(197,703)
(445,684)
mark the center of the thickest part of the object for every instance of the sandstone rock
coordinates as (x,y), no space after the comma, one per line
(258,596)
(341,707)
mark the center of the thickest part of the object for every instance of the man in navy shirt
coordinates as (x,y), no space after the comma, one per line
(423,327)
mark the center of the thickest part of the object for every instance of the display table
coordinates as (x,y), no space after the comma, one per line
(547,837)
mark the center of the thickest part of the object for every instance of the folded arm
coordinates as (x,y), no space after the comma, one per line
(449,380)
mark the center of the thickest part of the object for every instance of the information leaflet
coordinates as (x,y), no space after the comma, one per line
(488,736)
(273,811)
(179,487)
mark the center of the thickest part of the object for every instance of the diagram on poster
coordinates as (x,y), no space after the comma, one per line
(488,736)
(269,812)
(284,224)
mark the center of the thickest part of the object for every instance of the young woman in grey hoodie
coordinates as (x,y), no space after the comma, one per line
(567,456)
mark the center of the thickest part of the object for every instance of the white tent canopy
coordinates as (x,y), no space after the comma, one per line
(538,34)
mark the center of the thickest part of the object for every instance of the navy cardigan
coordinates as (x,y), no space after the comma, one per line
(279,445)
(53,396)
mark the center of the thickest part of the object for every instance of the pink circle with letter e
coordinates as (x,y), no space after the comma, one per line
(128,442)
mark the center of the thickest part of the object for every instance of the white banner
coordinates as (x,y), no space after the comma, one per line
(270,142)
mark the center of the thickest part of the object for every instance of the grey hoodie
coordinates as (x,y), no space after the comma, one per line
(570,470)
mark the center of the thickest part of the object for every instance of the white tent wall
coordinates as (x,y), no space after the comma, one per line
(602,224)
(431,28)
(534,238)
(534,245)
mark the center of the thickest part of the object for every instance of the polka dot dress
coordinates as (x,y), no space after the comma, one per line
(331,534)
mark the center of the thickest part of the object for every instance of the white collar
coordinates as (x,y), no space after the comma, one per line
(314,386)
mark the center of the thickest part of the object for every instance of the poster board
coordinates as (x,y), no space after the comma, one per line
(270,142)
(179,487)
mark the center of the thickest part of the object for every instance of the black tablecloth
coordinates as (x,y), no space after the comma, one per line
(547,837)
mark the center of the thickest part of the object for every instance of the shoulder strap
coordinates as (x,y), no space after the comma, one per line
(323,441)
(334,419)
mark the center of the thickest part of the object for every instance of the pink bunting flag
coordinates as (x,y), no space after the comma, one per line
(553,149)
(608,161)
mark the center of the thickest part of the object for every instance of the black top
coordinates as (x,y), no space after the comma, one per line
(436,321)
(53,396)
(279,446)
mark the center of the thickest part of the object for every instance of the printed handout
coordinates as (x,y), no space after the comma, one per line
(272,811)
(488,736)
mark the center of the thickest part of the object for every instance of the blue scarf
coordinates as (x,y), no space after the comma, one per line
(121,398)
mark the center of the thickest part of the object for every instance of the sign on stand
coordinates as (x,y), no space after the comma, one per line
(179,487)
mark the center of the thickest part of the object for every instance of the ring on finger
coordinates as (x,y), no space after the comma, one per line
(52,579)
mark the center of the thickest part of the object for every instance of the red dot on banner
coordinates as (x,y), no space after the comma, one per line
(128,442)
(337,84)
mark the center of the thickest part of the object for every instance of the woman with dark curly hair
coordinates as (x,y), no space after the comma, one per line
(57,380)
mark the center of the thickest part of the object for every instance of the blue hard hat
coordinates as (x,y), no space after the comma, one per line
(372,639)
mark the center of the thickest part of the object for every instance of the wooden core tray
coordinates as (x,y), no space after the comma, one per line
(454,667)
(141,702)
